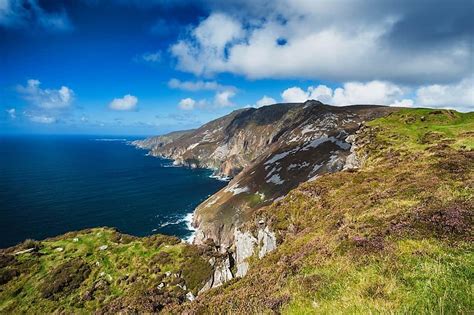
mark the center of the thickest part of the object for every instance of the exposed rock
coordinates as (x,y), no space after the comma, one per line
(24,251)
(244,248)
(190,296)
(266,241)
(352,160)
(222,272)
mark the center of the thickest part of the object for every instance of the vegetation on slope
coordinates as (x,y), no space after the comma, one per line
(394,236)
(99,270)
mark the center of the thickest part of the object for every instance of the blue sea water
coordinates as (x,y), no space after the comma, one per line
(53,184)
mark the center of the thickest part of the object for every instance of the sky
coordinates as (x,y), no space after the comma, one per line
(131,67)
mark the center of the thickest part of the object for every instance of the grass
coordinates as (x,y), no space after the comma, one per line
(392,237)
(72,274)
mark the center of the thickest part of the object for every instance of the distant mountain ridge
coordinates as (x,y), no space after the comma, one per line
(159,141)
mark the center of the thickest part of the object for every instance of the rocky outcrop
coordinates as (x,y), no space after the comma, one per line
(222,272)
(244,248)
(352,161)
(266,242)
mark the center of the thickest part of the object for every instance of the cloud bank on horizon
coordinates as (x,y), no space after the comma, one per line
(212,57)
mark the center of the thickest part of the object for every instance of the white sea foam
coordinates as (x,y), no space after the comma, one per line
(189,224)
(187,219)
(221,178)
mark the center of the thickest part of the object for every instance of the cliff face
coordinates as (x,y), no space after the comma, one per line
(159,141)
(267,152)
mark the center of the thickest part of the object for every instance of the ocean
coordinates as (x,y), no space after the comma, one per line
(50,185)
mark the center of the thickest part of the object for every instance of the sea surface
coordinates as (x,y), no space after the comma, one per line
(50,185)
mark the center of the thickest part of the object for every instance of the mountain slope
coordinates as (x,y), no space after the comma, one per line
(394,236)
(268,151)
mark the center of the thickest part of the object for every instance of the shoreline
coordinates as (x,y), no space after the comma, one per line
(188,219)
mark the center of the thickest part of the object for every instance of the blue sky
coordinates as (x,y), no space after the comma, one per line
(148,67)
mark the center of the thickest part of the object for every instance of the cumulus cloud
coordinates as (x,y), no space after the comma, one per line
(403,103)
(46,98)
(29,14)
(265,100)
(187,104)
(459,95)
(126,103)
(11,113)
(373,92)
(295,95)
(223,99)
(207,44)
(337,40)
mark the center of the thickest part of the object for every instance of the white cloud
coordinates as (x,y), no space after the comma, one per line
(265,100)
(207,45)
(149,57)
(223,99)
(459,95)
(47,98)
(373,92)
(11,112)
(194,85)
(322,93)
(403,103)
(294,95)
(126,103)
(42,119)
(187,104)
(340,40)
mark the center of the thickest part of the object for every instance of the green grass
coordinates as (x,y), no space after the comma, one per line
(128,266)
